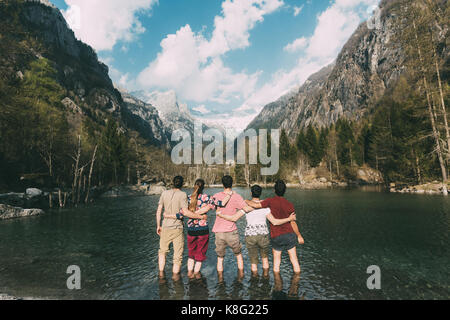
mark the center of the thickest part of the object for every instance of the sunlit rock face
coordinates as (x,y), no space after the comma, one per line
(174,114)
(369,63)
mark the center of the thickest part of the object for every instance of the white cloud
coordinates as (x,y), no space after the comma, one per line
(296,45)
(334,27)
(297,10)
(202,109)
(231,30)
(193,66)
(102,24)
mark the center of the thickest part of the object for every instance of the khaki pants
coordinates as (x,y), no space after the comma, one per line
(227,239)
(256,245)
(175,236)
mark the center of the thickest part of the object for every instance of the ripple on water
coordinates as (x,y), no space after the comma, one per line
(115,244)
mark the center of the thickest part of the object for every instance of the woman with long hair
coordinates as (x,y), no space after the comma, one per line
(198,229)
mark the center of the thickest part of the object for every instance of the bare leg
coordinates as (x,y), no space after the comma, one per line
(219,264)
(294,259)
(190,264)
(265,263)
(254,267)
(198,267)
(276,260)
(161,262)
(220,276)
(176,276)
(176,268)
(190,267)
(240,274)
(240,261)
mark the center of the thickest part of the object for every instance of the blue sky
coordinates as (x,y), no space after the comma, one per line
(225,59)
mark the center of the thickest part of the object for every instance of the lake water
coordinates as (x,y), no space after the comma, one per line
(114,243)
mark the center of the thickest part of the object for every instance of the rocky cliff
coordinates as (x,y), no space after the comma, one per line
(174,114)
(144,118)
(369,63)
(35,29)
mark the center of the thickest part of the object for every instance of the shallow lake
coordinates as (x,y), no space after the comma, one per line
(114,243)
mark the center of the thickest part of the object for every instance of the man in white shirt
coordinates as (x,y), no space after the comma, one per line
(257,232)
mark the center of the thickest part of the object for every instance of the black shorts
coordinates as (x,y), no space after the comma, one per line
(284,242)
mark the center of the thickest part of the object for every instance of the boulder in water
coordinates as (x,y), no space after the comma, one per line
(156,189)
(33,192)
(10,212)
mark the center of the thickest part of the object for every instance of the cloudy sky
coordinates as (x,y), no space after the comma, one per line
(225,59)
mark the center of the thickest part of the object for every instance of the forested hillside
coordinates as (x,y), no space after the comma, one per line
(62,122)
(383,104)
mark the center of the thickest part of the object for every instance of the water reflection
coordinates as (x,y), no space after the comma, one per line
(198,289)
(172,289)
(230,291)
(279,294)
(259,286)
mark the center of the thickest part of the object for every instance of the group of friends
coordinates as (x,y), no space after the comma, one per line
(175,207)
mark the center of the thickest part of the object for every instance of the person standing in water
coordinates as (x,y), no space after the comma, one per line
(197,225)
(286,236)
(256,231)
(171,230)
(226,232)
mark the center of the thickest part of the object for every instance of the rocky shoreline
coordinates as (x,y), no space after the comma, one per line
(4,296)
(33,201)
(135,190)
(8,297)
(10,212)
(431,188)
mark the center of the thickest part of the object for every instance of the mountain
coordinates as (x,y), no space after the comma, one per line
(144,118)
(36,30)
(174,114)
(369,64)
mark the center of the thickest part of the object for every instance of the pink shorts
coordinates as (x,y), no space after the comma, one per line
(197,247)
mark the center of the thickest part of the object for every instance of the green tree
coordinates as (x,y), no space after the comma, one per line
(113,153)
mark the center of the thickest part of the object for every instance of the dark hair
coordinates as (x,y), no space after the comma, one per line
(256,191)
(178,182)
(227,181)
(199,185)
(280,188)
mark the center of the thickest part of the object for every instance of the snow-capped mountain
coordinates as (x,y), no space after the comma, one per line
(144,118)
(174,114)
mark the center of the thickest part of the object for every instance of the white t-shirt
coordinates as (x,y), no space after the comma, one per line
(256,222)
